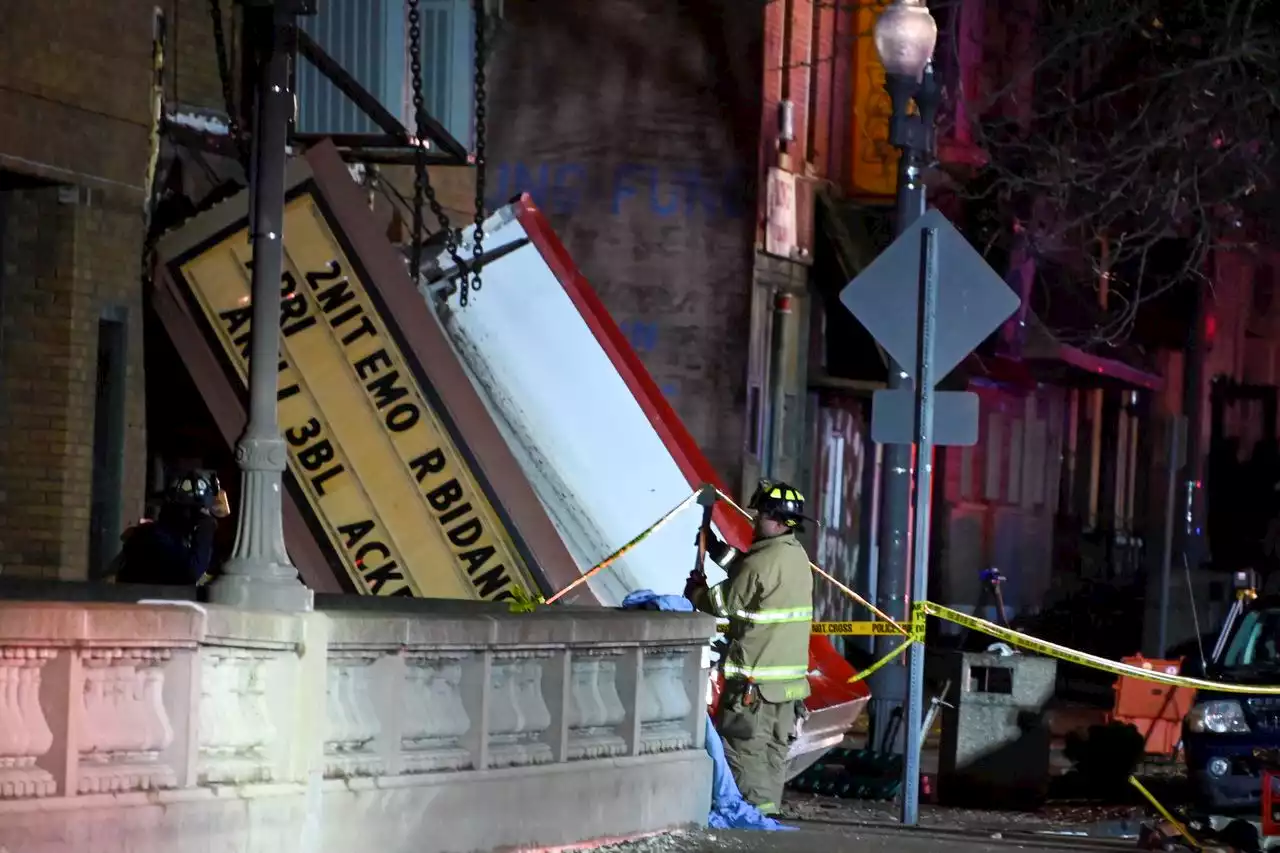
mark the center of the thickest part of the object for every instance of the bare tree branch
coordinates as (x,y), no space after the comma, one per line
(1150,131)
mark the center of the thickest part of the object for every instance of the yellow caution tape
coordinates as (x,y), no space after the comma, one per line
(612,558)
(1063,653)
(1165,813)
(860,629)
(883,661)
(914,631)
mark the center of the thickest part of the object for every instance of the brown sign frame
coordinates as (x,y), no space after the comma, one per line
(323,174)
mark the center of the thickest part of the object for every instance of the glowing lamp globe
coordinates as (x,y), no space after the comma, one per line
(905,35)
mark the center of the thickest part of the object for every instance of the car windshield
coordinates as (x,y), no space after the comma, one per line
(1256,643)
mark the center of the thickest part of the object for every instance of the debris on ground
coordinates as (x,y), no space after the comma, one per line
(799,806)
(839,838)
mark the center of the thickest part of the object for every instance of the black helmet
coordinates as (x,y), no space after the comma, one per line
(779,502)
(192,489)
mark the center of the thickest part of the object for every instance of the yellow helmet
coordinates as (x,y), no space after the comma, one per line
(779,502)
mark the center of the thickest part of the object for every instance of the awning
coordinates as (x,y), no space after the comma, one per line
(1050,359)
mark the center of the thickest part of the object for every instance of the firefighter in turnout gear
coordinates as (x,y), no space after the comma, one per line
(768,603)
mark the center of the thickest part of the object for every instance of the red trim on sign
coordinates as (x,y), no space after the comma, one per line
(684,450)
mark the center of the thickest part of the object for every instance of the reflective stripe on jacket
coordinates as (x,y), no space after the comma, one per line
(768,600)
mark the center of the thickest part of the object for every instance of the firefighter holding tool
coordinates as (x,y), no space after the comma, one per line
(768,602)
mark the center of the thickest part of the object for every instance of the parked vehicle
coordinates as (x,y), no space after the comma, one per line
(1224,731)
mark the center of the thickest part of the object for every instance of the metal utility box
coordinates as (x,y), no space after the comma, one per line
(995,740)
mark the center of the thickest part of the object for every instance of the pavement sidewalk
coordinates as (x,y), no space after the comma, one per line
(836,838)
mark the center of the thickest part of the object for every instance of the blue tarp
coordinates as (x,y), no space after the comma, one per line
(728,809)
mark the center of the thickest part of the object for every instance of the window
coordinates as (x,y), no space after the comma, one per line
(1256,642)
(369,38)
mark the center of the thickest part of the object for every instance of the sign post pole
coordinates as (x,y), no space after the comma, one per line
(920,510)
(259,573)
(952,280)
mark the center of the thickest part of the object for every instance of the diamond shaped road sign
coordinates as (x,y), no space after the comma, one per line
(972,299)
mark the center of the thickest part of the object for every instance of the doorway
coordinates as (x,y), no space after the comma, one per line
(106,510)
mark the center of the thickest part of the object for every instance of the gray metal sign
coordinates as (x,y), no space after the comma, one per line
(955,417)
(972,299)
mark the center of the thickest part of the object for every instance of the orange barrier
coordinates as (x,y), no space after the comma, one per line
(1156,710)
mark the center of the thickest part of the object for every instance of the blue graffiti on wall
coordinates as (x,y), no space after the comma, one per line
(643,337)
(566,188)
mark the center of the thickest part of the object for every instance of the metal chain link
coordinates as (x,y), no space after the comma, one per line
(481,55)
(224,73)
(422,189)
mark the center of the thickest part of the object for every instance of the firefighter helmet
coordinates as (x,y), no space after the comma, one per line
(192,489)
(780,502)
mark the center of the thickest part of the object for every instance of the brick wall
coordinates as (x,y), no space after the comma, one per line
(191,65)
(824,67)
(77,75)
(808,49)
(73,159)
(839,136)
(77,78)
(797,66)
(66,254)
(635,125)
(774,56)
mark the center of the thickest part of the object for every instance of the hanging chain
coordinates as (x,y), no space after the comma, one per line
(224,73)
(422,189)
(480,105)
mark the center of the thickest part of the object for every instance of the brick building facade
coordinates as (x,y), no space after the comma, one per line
(75,93)
(73,154)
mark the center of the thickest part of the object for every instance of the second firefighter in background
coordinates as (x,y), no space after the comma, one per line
(768,603)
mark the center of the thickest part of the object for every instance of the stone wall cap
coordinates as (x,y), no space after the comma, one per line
(59,624)
(363,629)
(232,626)
(601,626)
(547,626)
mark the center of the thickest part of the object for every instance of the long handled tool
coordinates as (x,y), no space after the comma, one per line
(706,500)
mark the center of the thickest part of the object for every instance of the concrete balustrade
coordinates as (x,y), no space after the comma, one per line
(456,728)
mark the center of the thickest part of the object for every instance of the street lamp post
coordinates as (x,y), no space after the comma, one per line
(259,574)
(905,35)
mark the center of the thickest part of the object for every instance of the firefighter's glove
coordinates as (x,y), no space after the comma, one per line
(221,505)
(696,583)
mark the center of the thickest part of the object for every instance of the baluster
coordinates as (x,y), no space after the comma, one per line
(597,708)
(436,720)
(665,702)
(24,732)
(519,714)
(125,724)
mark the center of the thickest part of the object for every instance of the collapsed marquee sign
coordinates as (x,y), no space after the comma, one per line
(381,471)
